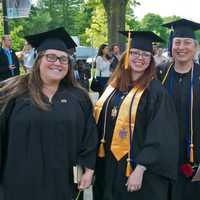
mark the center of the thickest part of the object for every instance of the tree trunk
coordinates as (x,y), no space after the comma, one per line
(116,13)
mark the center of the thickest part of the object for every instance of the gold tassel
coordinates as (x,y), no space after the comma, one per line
(101,152)
(128,168)
(127,52)
(192,153)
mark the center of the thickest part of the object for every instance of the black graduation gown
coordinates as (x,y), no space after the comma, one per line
(42,147)
(4,65)
(178,86)
(154,146)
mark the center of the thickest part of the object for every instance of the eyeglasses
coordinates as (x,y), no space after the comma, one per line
(53,58)
(137,54)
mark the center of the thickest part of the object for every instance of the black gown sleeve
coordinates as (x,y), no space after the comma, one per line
(159,152)
(88,146)
(4,117)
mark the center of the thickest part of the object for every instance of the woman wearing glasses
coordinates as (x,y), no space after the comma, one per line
(46,126)
(137,126)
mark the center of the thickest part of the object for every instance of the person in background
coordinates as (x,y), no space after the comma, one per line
(159,58)
(46,126)
(28,57)
(115,51)
(9,64)
(181,79)
(137,126)
(102,62)
(84,73)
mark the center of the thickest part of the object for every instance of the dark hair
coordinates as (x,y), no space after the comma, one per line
(101,48)
(4,36)
(114,45)
(121,78)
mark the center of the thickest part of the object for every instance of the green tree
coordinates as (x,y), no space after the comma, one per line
(131,21)
(65,13)
(116,13)
(170,18)
(153,22)
(97,32)
(17,40)
(74,15)
(1,21)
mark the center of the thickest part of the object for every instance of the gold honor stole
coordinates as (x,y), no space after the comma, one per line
(99,104)
(124,128)
(121,137)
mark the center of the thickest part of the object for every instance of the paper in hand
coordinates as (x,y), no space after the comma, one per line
(77,172)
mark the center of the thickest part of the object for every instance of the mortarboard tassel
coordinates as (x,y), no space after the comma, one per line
(128,168)
(127,52)
(192,153)
(101,152)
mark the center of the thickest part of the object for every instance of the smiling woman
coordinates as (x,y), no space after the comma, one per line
(135,115)
(46,126)
(181,79)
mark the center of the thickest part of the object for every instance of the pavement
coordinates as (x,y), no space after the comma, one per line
(87,195)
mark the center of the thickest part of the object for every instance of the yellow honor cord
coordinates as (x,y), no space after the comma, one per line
(101,152)
(128,167)
(166,75)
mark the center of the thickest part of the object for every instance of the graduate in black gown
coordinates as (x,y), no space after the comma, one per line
(46,126)
(138,132)
(182,80)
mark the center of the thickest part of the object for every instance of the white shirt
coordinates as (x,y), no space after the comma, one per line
(102,67)
(29,59)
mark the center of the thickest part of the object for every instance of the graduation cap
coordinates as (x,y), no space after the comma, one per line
(142,40)
(183,28)
(57,39)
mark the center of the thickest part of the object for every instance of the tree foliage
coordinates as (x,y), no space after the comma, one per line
(94,21)
(97,32)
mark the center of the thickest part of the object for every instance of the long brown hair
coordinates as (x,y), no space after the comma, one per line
(32,84)
(122,80)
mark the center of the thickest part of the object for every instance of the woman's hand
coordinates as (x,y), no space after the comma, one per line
(86,179)
(134,182)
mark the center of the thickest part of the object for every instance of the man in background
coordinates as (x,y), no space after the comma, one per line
(9,64)
(115,51)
